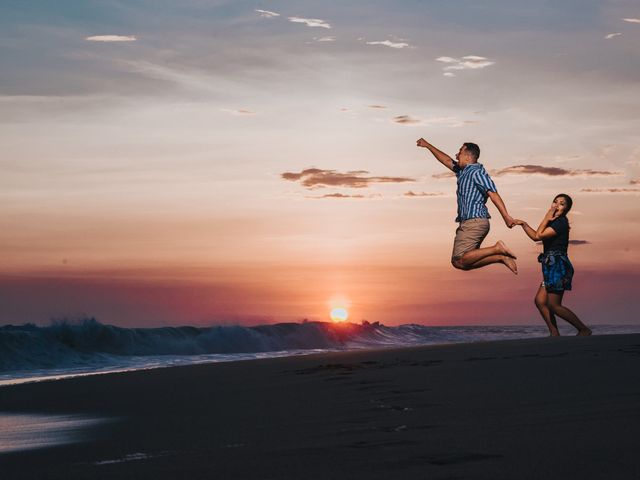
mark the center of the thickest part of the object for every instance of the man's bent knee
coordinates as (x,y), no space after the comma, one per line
(457,263)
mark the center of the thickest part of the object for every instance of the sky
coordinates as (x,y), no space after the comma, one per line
(211,162)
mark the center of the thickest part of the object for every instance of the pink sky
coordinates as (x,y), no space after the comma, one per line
(223,166)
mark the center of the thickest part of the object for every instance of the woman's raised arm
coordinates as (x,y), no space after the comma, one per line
(544,230)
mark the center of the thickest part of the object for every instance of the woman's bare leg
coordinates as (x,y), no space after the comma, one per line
(554,302)
(547,315)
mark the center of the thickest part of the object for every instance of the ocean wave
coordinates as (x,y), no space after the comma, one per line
(89,345)
(69,344)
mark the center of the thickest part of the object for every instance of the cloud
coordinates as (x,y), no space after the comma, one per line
(310,22)
(267,13)
(422,194)
(378,106)
(469,62)
(634,182)
(342,195)
(433,121)
(611,35)
(112,38)
(550,171)
(611,190)
(324,39)
(575,242)
(632,20)
(389,43)
(475,58)
(241,111)
(407,120)
(440,176)
(183,77)
(318,178)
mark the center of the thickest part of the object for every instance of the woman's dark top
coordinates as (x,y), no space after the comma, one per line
(559,242)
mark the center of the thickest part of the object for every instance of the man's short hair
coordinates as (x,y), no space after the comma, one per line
(473,149)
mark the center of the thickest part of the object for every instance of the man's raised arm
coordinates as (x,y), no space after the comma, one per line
(442,157)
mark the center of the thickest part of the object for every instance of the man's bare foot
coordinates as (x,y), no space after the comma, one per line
(583,333)
(554,333)
(504,250)
(511,264)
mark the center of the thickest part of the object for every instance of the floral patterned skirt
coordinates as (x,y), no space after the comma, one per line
(557,271)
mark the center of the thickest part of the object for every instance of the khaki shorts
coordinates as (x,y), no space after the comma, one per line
(469,236)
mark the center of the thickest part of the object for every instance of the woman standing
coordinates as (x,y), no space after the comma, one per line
(557,271)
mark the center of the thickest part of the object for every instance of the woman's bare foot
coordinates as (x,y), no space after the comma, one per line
(504,250)
(510,264)
(554,333)
(583,333)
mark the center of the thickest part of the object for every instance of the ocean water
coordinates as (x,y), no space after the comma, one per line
(31,353)
(32,431)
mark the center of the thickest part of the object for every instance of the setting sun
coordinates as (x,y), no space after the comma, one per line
(339,314)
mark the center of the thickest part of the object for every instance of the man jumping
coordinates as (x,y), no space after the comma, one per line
(474,186)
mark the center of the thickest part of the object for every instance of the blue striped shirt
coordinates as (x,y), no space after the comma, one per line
(473,184)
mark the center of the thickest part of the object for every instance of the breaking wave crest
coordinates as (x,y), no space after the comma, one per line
(89,345)
(66,344)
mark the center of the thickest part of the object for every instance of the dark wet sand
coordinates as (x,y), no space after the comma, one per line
(565,408)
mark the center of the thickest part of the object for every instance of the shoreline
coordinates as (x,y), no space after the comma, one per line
(553,408)
(37,375)
(63,376)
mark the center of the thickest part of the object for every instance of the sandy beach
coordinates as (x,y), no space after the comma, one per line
(543,408)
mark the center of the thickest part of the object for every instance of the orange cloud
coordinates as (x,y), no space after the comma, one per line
(318,178)
(423,194)
(573,242)
(611,190)
(440,176)
(342,195)
(540,170)
(406,120)
(550,171)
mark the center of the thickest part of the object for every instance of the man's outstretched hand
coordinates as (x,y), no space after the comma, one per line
(422,143)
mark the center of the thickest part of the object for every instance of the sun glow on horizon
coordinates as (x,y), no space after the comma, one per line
(339,308)
(339,314)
